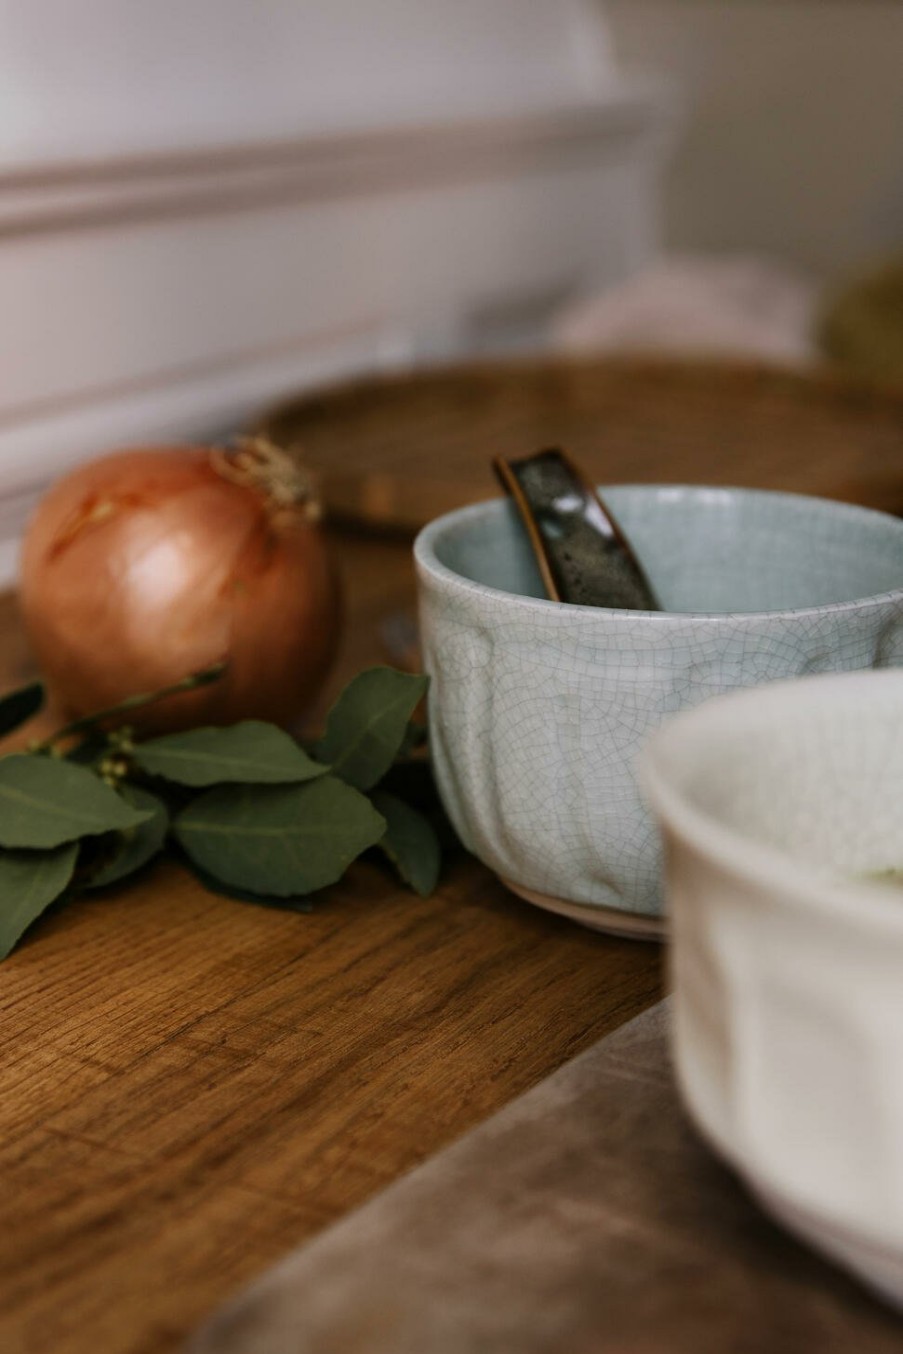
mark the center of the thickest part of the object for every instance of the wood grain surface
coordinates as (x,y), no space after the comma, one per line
(190,1086)
(586,1218)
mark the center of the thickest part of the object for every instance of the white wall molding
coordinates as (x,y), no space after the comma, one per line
(155,293)
(83,194)
(204,399)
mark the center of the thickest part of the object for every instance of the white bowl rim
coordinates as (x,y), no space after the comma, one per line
(783,876)
(427,559)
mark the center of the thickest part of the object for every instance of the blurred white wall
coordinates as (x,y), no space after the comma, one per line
(205,203)
(793,143)
(99,78)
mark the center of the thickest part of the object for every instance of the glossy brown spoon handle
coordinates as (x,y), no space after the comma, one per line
(582,553)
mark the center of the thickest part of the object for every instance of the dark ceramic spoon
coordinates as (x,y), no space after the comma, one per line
(582,553)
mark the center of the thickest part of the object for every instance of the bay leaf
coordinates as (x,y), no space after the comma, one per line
(279,839)
(292,903)
(136,845)
(253,752)
(19,706)
(45,801)
(29,882)
(410,842)
(415,737)
(367,726)
(413,782)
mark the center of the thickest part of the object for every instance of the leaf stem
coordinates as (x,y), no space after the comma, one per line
(89,722)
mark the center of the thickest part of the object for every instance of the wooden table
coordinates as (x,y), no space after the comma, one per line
(190,1086)
(586,1217)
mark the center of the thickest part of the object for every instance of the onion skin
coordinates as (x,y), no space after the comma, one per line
(146,565)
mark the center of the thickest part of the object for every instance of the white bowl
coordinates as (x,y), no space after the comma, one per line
(777,804)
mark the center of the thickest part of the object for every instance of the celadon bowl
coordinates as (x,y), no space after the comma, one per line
(782,808)
(537,709)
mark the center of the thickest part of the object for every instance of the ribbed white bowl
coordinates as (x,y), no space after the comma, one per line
(777,805)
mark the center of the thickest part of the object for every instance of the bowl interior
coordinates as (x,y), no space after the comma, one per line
(705,550)
(813,768)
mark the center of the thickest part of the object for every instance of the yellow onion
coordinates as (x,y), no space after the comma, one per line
(149,564)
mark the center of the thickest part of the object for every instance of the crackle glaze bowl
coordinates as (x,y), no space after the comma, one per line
(538,709)
(782,811)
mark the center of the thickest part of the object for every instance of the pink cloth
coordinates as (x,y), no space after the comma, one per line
(732,305)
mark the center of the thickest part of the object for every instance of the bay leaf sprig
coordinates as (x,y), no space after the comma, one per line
(255,813)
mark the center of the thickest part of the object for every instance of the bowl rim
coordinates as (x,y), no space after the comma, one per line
(784,877)
(428,562)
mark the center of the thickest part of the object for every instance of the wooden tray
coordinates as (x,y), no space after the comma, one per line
(396,452)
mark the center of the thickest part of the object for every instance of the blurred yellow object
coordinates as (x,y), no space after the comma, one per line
(861,328)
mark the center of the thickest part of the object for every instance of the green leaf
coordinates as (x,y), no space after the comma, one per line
(290,904)
(20,706)
(29,882)
(410,843)
(251,752)
(415,737)
(279,839)
(367,725)
(413,782)
(136,845)
(45,801)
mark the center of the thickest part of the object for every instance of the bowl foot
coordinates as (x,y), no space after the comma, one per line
(611,920)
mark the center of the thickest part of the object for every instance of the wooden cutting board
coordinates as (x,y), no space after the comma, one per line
(586,1218)
(396,452)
